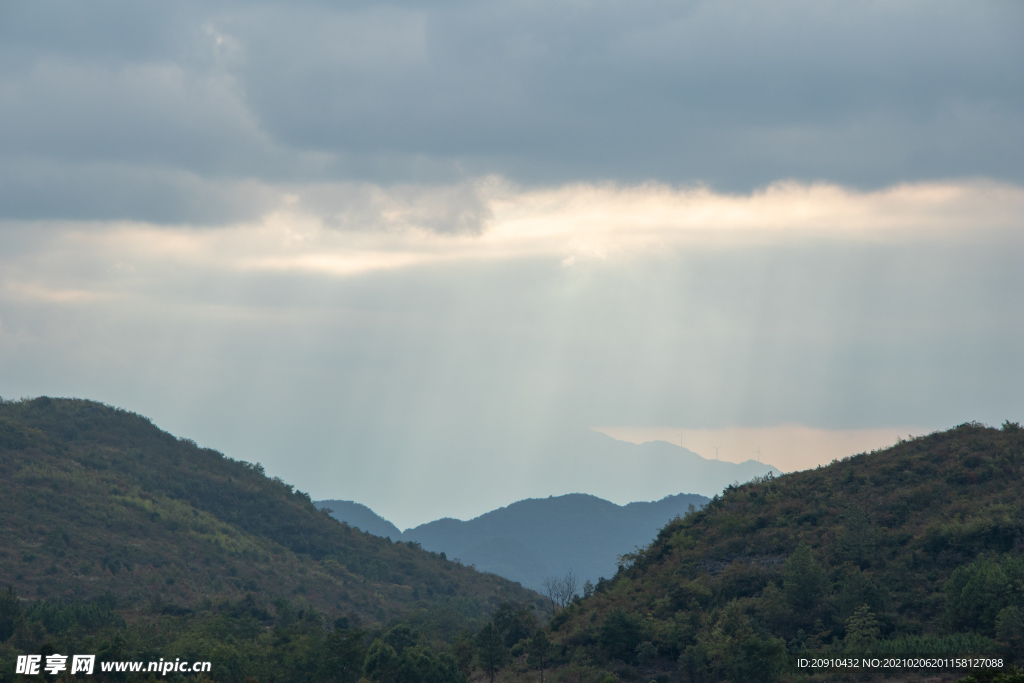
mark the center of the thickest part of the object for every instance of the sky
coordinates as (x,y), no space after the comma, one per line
(402,253)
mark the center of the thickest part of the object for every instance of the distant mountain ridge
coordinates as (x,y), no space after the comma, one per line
(361,517)
(536,538)
(531,540)
(586,457)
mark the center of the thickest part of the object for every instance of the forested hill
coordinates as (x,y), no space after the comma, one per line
(97,501)
(915,549)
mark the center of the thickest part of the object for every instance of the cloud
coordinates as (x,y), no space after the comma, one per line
(351,229)
(790,286)
(37,189)
(459,208)
(732,94)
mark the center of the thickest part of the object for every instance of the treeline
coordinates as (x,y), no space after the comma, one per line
(248,641)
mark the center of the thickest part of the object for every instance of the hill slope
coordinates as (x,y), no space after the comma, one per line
(98,501)
(531,540)
(916,549)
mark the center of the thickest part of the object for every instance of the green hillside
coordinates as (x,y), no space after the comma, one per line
(99,500)
(109,522)
(916,549)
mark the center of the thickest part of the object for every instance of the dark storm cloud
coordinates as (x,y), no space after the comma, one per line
(736,94)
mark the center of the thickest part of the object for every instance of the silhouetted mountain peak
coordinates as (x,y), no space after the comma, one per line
(533,539)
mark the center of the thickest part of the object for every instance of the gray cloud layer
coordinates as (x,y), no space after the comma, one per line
(147,111)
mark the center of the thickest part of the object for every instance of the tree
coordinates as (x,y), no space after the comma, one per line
(1010,629)
(976,593)
(381,662)
(462,650)
(861,631)
(560,591)
(859,539)
(514,622)
(420,665)
(343,657)
(804,582)
(730,646)
(399,637)
(490,649)
(759,660)
(646,653)
(538,650)
(579,663)
(10,611)
(620,634)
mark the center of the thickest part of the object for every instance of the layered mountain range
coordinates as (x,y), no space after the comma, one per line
(536,539)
